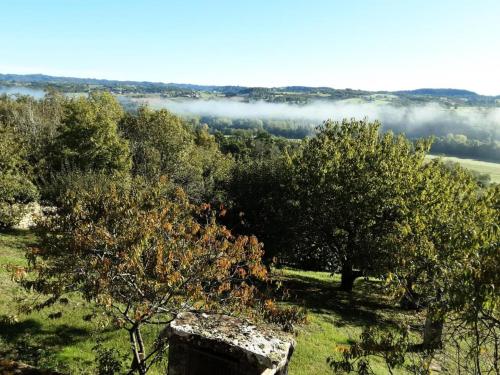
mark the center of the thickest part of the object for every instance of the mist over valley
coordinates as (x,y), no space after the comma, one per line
(464,123)
(414,120)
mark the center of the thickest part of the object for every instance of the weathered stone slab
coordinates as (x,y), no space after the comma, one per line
(220,344)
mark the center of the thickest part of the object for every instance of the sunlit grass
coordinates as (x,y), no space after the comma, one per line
(482,167)
(63,344)
(334,317)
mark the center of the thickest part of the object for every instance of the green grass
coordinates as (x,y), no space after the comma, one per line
(483,167)
(334,317)
(64,344)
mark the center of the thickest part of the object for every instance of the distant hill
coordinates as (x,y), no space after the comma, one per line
(42,78)
(297,94)
(454,93)
(29,78)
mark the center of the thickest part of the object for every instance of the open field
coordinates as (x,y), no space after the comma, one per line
(334,317)
(483,167)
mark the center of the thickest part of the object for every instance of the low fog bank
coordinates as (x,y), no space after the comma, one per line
(415,120)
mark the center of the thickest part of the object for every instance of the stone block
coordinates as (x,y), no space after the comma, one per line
(223,345)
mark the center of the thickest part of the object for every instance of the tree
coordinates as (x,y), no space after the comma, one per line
(16,188)
(35,123)
(88,138)
(158,141)
(445,250)
(261,202)
(34,120)
(208,170)
(143,253)
(259,146)
(446,259)
(427,243)
(473,291)
(349,181)
(164,144)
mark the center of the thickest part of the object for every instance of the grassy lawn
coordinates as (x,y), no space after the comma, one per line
(334,317)
(483,167)
(64,344)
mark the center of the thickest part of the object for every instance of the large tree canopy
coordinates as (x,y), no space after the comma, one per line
(445,249)
(88,137)
(164,144)
(350,181)
(143,252)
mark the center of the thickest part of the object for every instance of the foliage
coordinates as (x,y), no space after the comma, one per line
(473,301)
(349,182)
(446,227)
(67,342)
(164,144)
(350,199)
(390,345)
(144,253)
(88,137)
(478,274)
(109,360)
(445,253)
(286,317)
(209,169)
(259,192)
(158,141)
(459,145)
(287,128)
(16,188)
(245,146)
(333,319)
(34,121)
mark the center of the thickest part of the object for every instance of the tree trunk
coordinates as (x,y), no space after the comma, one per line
(409,299)
(433,331)
(138,351)
(348,276)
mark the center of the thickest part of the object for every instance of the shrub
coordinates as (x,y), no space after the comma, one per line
(16,188)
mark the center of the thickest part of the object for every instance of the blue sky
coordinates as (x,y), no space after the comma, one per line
(384,44)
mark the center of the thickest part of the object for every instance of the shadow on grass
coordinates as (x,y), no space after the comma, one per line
(17,239)
(13,231)
(365,305)
(28,341)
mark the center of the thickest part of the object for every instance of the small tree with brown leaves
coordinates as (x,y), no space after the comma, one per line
(143,253)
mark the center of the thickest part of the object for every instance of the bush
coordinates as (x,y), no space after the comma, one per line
(285,317)
(16,188)
(108,360)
